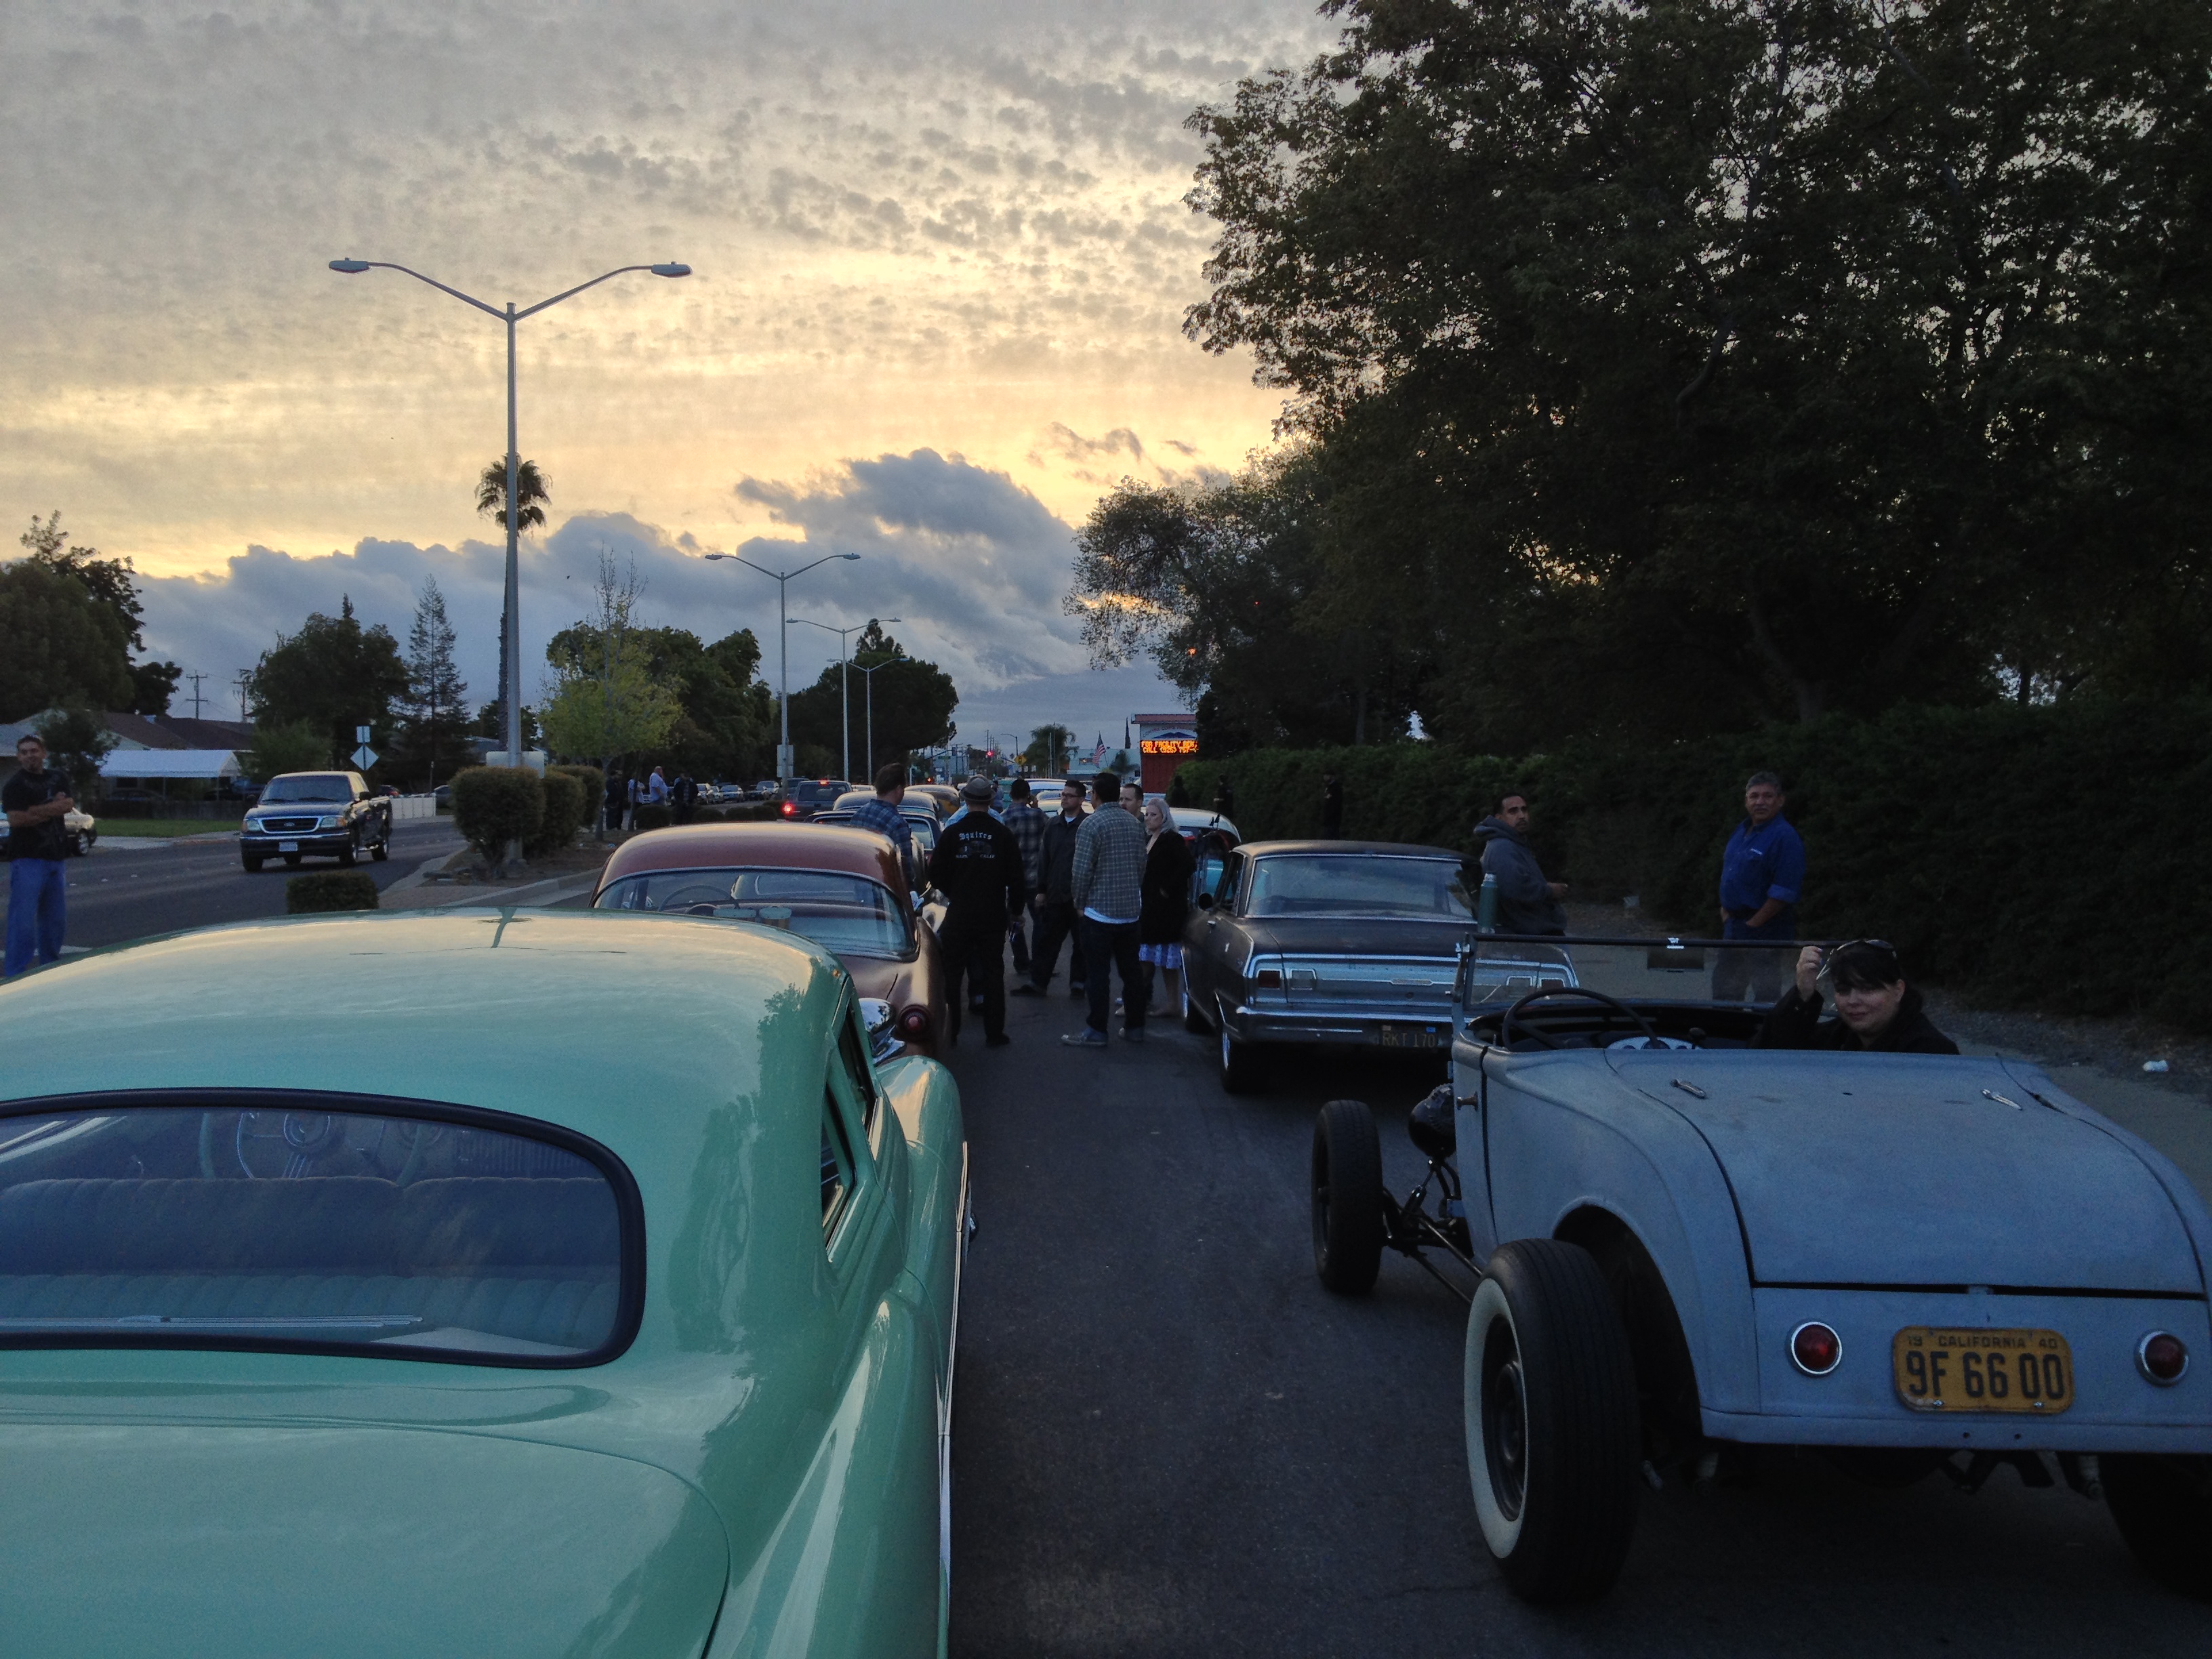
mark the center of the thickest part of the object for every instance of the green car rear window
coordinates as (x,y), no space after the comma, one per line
(315,1223)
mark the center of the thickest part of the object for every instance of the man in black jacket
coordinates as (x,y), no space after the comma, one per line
(1876,1011)
(977,866)
(1055,898)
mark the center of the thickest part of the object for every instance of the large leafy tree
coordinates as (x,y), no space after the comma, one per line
(333,675)
(112,586)
(63,647)
(1710,359)
(1228,586)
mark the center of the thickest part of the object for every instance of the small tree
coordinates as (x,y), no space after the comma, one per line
(434,686)
(297,746)
(603,700)
(76,741)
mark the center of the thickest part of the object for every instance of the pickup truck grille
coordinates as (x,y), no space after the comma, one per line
(1382,982)
(285,826)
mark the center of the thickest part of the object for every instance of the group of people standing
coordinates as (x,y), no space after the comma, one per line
(626,794)
(1115,879)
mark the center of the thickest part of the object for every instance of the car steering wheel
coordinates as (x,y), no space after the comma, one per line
(1512,1015)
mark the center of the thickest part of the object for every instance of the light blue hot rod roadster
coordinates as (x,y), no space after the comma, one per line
(1673,1242)
(533,1283)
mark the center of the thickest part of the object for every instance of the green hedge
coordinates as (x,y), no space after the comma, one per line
(563,818)
(594,784)
(329,890)
(494,805)
(2031,857)
(649,815)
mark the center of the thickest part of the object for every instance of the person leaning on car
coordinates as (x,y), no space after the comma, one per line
(38,805)
(1876,1011)
(978,868)
(1527,904)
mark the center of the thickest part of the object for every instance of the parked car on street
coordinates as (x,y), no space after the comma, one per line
(921,825)
(316,814)
(1324,941)
(809,796)
(80,827)
(1676,1244)
(619,1320)
(845,888)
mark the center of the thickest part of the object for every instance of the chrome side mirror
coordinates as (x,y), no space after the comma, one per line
(883,1040)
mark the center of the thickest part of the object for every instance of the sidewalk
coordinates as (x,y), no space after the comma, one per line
(417,891)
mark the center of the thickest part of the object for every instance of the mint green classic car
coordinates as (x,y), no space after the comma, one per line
(472,1282)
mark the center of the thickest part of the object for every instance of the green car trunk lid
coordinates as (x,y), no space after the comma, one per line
(244,1541)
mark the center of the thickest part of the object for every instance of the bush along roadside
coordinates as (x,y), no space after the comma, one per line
(329,890)
(495,804)
(563,815)
(2027,857)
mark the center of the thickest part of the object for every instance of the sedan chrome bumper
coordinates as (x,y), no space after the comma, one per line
(1415,1026)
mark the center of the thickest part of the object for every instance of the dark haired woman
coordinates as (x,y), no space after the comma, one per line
(1876,1011)
(1166,901)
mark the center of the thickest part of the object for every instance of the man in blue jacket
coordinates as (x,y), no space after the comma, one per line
(1762,877)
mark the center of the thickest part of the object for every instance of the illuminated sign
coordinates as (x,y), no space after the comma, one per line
(1168,746)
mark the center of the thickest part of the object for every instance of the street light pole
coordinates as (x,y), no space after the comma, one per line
(511,628)
(870,673)
(844,689)
(785,762)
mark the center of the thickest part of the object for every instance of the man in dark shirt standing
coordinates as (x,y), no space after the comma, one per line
(1762,877)
(37,803)
(1055,897)
(978,868)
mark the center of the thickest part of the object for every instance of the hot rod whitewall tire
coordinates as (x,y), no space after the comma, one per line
(1552,1435)
(2163,1508)
(1347,1197)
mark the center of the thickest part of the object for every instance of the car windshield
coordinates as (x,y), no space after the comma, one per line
(208,1225)
(818,795)
(1358,884)
(850,915)
(307,786)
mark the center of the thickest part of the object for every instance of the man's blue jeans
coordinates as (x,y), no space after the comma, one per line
(35,912)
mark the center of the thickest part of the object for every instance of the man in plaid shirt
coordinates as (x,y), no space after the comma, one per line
(882,814)
(1026,824)
(1109,871)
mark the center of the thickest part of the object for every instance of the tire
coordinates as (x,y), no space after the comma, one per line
(347,855)
(1553,1440)
(253,865)
(1193,1020)
(1347,1197)
(1240,1065)
(382,850)
(2163,1508)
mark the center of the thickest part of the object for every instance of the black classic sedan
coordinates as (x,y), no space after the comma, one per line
(1325,941)
(318,814)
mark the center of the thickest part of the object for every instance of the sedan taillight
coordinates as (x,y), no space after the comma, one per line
(2162,1357)
(791,809)
(914,1023)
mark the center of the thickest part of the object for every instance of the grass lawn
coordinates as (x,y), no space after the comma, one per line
(166,829)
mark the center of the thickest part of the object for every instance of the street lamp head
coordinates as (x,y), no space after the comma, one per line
(718,556)
(848,555)
(670,268)
(349,267)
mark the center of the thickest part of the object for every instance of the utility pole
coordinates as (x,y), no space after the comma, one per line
(195,679)
(245,685)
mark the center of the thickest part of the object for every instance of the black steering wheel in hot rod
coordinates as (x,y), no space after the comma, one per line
(1512,1016)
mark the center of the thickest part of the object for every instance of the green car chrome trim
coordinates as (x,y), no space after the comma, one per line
(630,1221)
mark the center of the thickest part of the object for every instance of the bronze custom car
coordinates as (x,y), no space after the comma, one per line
(844,889)
(1324,941)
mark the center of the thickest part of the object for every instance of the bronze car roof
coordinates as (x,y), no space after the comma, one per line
(776,845)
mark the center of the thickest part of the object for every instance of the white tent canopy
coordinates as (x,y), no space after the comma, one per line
(169,763)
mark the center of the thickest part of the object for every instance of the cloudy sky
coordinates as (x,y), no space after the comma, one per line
(941,256)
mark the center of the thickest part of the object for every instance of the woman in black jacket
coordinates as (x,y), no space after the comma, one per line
(1876,1011)
(1166,895)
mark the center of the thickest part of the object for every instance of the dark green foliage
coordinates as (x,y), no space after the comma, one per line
(651,816)
(494,805)
(565,802)
(76,740)
(593,782)
(153,684)
(63,645)
(334,675)
(329,890)
(300,746)
(914,704)
(1675,367)
(2037,857)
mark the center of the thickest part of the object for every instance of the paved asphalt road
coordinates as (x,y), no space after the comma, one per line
(1170,1440)
(118,896)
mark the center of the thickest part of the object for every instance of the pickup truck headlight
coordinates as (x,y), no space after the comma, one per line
(330,821)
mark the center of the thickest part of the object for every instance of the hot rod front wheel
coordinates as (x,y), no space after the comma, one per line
(1347,1197)
(1552,1434)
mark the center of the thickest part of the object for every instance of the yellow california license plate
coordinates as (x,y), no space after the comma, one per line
(1938,1369)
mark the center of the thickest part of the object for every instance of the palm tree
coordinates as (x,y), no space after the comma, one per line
(531,495)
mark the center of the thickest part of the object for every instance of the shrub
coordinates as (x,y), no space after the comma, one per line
(1974,838)
(302,746)
(594,784)
(564,815)
(329,890)
(651,817)
(494,805)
